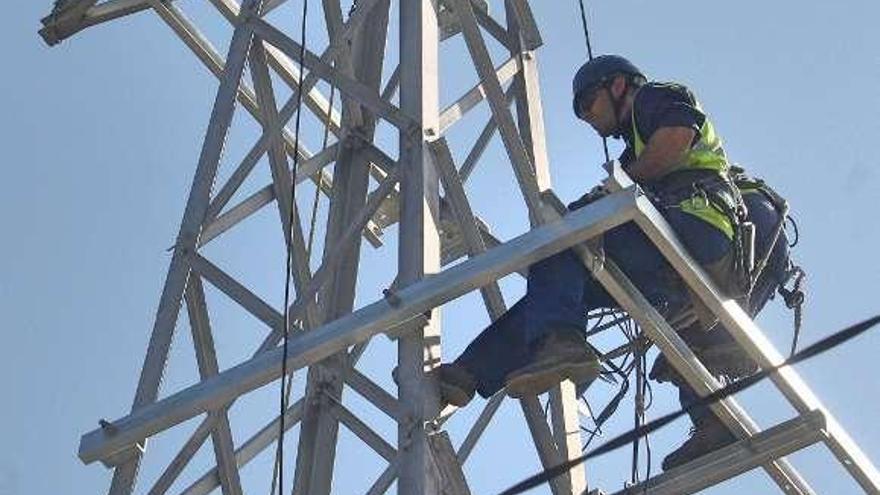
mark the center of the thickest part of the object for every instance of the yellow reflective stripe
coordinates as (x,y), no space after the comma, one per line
(698,207)
(639,143)
(708,153)
(705,160)
(705,155)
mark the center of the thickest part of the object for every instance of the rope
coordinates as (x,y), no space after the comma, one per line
(586,30)
(797,233)
(638,410)
(623,371)
(283,401)
(312,224)
(794,300)
(313,220)
(590,57)
(642,400)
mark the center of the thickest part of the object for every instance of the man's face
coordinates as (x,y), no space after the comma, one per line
(596,110)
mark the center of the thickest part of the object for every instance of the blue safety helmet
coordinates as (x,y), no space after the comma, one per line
(597,72)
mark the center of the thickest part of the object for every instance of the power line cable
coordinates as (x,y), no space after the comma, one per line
(288,245)
(590,57)
(624,439)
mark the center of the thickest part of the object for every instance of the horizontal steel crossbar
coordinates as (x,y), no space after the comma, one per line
(412,301)
(735,459)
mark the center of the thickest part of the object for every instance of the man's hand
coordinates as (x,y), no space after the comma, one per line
(663,152)
(594,195)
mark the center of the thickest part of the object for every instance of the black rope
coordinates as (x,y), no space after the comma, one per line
(794,300)
(797,233)
(590,57)
(643,398)
(647,401)
(638,415)
(612,406)
(808,352)
(586,30)
(283,401)
(608,411)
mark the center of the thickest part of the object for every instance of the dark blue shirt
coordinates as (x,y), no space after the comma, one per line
(659,105)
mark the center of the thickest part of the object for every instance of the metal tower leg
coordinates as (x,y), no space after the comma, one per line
(318,434)
(419,253)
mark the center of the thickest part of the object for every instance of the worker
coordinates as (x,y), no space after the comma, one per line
(674,154)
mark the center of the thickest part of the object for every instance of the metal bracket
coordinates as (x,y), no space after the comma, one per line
(124,455)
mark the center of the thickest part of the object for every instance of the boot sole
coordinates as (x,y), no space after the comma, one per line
(678,458)
(540,381)
(455,396)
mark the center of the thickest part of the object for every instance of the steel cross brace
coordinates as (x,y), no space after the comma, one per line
(318,434)
(213,60)
(567,444)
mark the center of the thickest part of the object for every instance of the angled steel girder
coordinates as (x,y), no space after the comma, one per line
(319,431)
(179,270)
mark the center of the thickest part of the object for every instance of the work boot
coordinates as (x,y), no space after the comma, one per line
(706,437)
(457,385)
(728,360)
(722,357)
(564,354)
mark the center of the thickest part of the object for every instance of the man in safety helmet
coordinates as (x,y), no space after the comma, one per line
(735,233)
(729,223)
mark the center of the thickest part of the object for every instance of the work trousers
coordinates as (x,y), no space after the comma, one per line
(561,291)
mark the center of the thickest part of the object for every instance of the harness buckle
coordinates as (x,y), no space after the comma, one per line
(700,193)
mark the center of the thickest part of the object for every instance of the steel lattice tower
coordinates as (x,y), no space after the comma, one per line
(330,333)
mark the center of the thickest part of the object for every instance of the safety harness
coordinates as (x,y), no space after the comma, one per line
(712,197)
(794,274)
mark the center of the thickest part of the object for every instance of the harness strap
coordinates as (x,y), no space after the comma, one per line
(718,190)
(794,298)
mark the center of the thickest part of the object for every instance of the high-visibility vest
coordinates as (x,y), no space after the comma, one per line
(706,154)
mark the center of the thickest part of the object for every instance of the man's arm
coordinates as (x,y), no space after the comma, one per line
(665,149)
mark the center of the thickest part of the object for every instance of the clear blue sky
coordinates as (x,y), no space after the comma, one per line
(100,138)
